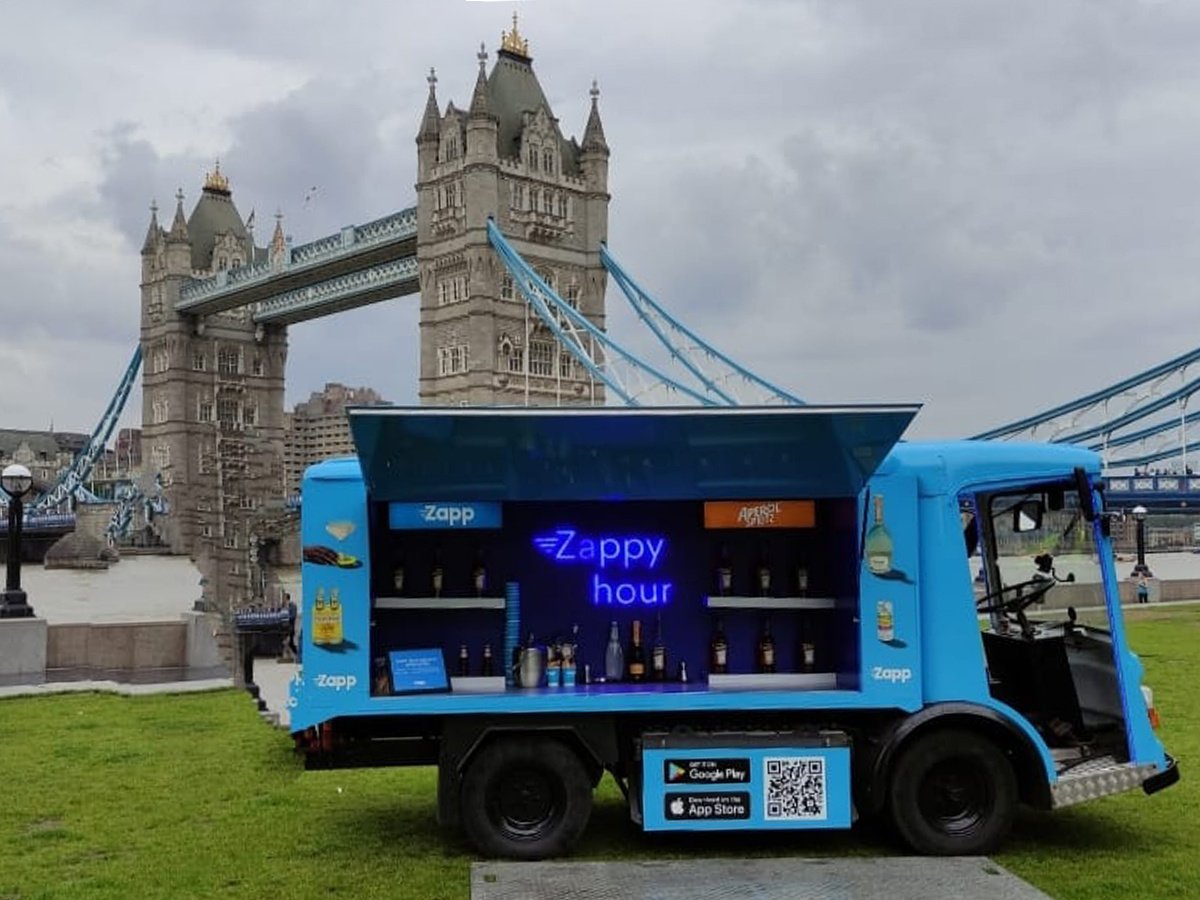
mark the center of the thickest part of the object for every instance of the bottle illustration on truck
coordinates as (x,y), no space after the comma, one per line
(809,578)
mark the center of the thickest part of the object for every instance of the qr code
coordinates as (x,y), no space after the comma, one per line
(795,787)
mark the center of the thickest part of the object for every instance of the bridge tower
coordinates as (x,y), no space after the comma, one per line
(506,157)
(212,394)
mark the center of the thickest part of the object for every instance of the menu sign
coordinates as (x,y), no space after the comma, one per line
(760,514)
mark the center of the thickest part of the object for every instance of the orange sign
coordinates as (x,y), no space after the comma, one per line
(760,514)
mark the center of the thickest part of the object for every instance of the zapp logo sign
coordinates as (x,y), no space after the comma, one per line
(407,516)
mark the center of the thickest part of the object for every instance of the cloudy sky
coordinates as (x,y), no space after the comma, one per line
(986,207)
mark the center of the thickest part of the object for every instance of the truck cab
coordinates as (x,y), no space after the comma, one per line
(750,618)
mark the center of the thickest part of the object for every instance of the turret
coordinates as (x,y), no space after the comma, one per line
(593,155)
(482,125)
(431,131)
(152,246)
(179,242)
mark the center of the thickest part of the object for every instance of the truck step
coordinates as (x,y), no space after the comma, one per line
(1097,777)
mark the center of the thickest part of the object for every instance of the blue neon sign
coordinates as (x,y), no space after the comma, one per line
(623,566)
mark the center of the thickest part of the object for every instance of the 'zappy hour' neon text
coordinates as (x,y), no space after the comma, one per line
(617,562)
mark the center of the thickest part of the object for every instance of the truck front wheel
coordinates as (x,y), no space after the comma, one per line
(953,793)
(525,798)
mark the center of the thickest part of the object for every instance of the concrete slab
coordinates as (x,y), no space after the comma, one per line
(23,646)
(892,878)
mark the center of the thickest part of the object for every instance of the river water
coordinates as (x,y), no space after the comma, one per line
(137,589)
(161,588)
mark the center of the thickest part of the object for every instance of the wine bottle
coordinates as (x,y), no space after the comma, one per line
(878,545)
(766,648)
(436,576)
(614,656)
(380,683)
(801,582)
(464,661)
(808,650)
(658,654)
(762,573)
(489,666)
(724,573)
(635,659)
(398,578)
(718,651)
(479,574)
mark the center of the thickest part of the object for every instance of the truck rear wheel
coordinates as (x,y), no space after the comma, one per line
(953,793)
(525,798)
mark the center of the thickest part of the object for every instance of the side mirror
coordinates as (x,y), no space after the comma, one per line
(1027,516)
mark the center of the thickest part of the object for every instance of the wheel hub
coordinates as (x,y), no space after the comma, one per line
(954,797)
(526,802)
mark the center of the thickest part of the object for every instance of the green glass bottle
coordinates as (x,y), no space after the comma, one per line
(878,547)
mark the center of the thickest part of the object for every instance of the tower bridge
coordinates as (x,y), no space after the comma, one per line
(505,248)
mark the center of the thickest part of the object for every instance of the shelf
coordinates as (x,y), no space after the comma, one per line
(777,681)
(491,684)
(718,602)
(439,603)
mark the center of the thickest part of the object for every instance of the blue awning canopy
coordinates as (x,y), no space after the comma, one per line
(608,453)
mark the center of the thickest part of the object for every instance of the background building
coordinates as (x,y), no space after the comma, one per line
(318,429)
(45,453)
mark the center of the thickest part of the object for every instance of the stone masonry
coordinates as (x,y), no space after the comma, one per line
(506,158)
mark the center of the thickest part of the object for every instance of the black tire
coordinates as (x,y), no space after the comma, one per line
(952,793)
(525,798)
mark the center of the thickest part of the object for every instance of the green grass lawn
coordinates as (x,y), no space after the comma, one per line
(194,796)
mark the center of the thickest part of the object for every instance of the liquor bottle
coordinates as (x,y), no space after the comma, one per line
(766,648)
(464,661)
(479,574)
(762,573)
(489,666)
(658,654)
(635,659)
(878,545)
(380,683)
(683,675)
(436,576)
(569,649)
(398,578)
(614,656)
(808,650)
(718,651)
(801,582)
(724,573)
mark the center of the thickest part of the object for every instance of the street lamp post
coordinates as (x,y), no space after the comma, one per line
(16,481)
(1141,569)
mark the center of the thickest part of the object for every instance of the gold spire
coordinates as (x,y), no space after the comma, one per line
(512,42)
(215,181)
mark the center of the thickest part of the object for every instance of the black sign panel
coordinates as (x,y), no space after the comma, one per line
(705,807)
(706,771)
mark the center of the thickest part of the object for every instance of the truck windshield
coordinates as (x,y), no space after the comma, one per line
(1041,552)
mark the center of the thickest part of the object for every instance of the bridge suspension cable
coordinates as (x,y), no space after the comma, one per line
(71,482)
(720,377)
(628,377)
(1098,398)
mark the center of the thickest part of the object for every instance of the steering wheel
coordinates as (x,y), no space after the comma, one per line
(1019,601)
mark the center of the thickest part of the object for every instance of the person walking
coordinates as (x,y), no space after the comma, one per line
(290,605)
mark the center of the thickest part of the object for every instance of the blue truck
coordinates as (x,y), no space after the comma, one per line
(751,618)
